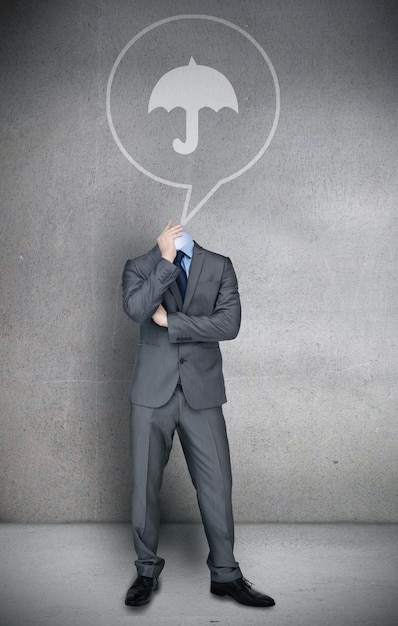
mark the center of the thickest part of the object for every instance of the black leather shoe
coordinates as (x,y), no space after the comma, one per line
(141,590)
(240,589)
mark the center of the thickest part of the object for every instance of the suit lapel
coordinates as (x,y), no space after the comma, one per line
(194,273)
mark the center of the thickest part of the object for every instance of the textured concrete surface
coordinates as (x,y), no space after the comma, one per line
(319,575)
(311,378)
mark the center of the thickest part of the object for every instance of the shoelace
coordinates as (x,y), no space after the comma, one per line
(247,582)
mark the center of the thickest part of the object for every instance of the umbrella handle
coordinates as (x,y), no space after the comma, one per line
(192,134)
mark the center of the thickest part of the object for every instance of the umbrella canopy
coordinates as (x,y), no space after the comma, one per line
(192,87)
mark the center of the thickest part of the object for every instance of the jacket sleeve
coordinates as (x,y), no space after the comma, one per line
(143,291)
(222,324)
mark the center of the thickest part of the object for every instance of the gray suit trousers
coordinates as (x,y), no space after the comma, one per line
(204,441)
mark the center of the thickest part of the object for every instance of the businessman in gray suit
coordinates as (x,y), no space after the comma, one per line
(185,304)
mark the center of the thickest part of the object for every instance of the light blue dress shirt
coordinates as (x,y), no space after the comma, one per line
(187,259)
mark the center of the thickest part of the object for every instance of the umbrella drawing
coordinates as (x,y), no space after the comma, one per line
(192,87)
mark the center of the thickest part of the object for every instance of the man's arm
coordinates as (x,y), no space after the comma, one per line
(143,294)
(221,325)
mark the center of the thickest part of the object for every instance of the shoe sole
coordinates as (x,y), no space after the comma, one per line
(217,592)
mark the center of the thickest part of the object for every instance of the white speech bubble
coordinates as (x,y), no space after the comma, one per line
(185,217)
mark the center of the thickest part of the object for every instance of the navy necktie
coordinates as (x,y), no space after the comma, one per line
(182,277)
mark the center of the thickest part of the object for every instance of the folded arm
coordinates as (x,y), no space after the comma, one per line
(221,325)
(142,294)
(143,291)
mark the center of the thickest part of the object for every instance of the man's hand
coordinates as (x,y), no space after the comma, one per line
(166,241)
(160,316)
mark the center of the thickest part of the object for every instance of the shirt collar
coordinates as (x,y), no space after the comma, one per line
(188,249)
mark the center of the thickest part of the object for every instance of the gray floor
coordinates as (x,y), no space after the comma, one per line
(319,575)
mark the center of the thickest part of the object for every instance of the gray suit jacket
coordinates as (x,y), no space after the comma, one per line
(188,349)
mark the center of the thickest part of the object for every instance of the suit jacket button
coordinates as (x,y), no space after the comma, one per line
(182,360)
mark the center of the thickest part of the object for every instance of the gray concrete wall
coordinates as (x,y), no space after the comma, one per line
(311,378)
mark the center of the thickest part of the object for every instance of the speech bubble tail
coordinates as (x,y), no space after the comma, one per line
(199,199)
(185,217)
